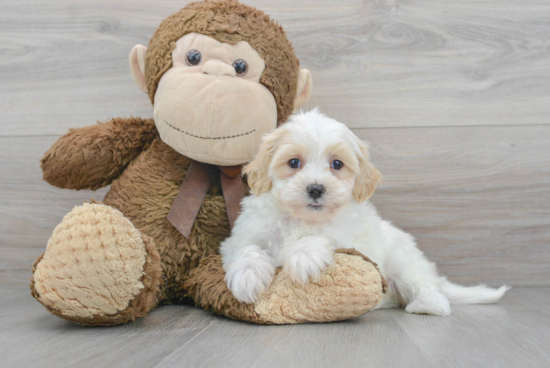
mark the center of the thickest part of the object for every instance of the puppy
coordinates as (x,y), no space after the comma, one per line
(310,182)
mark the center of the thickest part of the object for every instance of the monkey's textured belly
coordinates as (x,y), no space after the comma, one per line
(144,193)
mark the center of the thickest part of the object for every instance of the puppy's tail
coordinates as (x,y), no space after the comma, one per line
(480,294)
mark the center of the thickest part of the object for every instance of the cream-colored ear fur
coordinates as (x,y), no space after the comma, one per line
(137,66)
(303,91)
(257,171)
(368,178)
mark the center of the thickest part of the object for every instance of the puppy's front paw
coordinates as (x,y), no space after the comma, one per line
(308,257)
(247,280)
(433,303)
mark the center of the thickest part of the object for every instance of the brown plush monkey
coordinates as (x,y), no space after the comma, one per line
(220,74)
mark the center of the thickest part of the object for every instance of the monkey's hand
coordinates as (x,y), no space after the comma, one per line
(92,157)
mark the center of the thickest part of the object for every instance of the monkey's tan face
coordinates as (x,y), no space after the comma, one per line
(210,105)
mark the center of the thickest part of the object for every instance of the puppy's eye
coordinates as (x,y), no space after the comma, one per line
(241,67)
(193,57)
(337,164)
(294,163)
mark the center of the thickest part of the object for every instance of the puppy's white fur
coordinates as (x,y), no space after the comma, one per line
(282,225)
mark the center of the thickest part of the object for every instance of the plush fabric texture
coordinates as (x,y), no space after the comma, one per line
(350,287)
(183,272)
(229,22)
(353,252)
(95,264)
(92,157)
(146,300)
(208,289)
(163,169)
(221,130)
(137,66)
(218,51)
(145,193)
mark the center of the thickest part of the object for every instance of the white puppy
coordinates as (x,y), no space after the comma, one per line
(311,181)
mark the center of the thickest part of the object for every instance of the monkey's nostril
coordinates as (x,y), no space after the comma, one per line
(315,190)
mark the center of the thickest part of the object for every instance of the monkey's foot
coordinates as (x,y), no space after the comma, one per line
(98,269)
(348,288)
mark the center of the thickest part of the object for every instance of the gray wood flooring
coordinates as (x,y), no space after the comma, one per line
(454,98)
(513,333)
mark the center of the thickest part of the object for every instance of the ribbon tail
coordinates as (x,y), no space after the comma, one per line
(189,199)
(233,193)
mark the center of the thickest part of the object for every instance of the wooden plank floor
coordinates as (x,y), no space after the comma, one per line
(513,333)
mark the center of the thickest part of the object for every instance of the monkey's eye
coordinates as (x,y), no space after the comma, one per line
(193,57)
(241,67)
(294,163)
(337,164)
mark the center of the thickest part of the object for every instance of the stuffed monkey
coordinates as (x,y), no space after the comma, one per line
(219,74)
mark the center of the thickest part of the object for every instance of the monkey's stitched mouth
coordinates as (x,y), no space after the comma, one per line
(200,137)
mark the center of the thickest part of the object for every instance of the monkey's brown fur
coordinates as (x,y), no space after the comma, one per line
(94,156)
(145,192)
(146,174)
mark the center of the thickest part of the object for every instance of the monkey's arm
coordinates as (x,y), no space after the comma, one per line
(92,157)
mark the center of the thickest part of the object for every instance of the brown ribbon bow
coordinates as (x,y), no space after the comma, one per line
(193,191)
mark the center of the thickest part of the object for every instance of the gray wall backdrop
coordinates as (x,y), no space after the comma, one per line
(453,96)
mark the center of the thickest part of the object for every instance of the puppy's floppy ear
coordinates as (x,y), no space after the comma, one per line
(368,178)
(258,170)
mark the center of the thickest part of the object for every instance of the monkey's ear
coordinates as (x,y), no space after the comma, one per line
(303,92)
(137,66)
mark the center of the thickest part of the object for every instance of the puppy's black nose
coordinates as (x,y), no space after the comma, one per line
(315,190)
